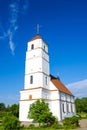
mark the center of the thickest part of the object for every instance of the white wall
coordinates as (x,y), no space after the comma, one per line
(24,109)
(36,94)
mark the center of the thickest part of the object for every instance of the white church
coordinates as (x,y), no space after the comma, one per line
(40,84)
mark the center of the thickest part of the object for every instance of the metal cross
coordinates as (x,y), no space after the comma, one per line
(38,29)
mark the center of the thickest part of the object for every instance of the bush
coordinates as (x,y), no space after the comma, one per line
(31,126)
(72,121)
(39,111)
(10,122)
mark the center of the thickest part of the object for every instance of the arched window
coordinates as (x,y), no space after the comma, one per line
(32,46)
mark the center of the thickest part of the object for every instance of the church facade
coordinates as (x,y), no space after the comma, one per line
(39,84)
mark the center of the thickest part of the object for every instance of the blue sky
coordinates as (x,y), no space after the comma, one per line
(63,25)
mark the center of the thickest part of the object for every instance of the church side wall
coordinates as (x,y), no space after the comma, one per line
(67,105)
(65,102)
(55,108)
(24,109)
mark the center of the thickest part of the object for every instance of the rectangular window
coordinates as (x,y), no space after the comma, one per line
(46,80)
(30,97)
(32,46)
(71,107)
(31,79)
(67,108)
(63,107)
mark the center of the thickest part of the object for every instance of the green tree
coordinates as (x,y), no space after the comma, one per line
(40,113)
(78,104)
(14,109)
(2,107)
(84,104)
(10,122)
(81,105)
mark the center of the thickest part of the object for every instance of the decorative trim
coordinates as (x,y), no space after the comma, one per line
(31,88)
(46,99)
(37,72)
(39,48)
(39,88)
(39,99)
(37,57)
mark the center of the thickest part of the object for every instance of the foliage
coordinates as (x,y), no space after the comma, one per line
(31,126)
(10,122)
(2,114)
(39,111)
(2,107)
(72,121)
(14,109)
(82,115)
(81,105)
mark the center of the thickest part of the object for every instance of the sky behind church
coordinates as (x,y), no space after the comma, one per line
(63,25)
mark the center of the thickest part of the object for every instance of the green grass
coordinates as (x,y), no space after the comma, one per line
(39,128)
(83,114)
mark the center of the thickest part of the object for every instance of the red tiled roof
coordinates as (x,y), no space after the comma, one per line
(36,37)
(60,86)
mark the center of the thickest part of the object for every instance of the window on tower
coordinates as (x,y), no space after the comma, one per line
(46,80)
(44,47)
(32,46)
(31,79)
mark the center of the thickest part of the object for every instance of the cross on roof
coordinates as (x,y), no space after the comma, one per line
(38,29)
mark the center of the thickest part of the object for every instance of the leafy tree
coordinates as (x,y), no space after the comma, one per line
(81,105)
(2,107)
(14,109)
(78,104)
(10,122)
(84,104)
(39,111)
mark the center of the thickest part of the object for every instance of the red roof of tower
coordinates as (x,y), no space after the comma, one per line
(36,37)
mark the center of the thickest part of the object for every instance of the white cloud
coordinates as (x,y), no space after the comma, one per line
(11,44)
(16,8)
(79,89)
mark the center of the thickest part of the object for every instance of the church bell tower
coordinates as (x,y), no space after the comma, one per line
(36,64)
(36,80)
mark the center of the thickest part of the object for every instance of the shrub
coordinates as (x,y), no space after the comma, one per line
(72,121)
(39,111)
(10,122)
(31,126)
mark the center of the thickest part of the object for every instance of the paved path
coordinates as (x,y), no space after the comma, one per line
(83,124)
